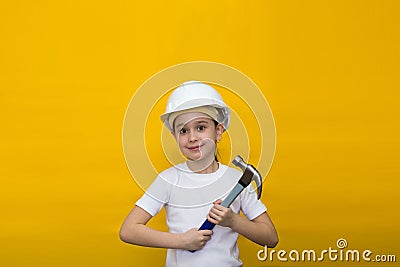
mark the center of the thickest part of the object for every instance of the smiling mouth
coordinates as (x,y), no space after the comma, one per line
(195,148)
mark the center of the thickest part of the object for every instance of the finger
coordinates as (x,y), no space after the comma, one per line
(207,238)
(219,208)
(206,232)
(217,211)
(212,220)
(204,239)
(218,204)
(214,215)
(218,201)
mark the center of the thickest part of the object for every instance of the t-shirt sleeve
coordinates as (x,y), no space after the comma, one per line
(155,196)
(150,204)
(250,205)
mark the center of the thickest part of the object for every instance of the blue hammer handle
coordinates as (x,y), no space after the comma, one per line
(226,203)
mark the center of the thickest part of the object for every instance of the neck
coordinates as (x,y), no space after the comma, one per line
(201,167)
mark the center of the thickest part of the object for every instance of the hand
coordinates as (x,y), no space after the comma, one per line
(220,215)
(195,239)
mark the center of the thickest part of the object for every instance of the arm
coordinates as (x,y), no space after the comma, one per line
(259,230)
(135,231)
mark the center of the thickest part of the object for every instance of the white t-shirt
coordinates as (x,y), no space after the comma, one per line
(187,198)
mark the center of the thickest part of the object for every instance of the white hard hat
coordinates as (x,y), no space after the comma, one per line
(195,94)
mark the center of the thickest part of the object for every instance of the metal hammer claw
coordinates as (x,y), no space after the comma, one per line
(253,172)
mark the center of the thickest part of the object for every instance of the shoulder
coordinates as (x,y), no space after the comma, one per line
(171,170)
(173,173)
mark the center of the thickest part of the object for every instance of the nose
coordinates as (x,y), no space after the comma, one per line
(192,136)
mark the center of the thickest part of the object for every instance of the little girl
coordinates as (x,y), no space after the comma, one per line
(192,191)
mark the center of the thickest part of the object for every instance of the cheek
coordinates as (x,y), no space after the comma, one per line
(209,141)
(181,141)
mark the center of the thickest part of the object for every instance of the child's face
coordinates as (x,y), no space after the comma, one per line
(196,134)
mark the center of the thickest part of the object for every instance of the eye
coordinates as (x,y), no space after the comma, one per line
(201,128)
(183,131)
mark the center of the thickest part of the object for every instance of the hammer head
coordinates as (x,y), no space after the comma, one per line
(248,168)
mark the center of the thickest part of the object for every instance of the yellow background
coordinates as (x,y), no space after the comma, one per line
(329,70)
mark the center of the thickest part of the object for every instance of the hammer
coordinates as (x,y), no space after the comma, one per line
(249,173)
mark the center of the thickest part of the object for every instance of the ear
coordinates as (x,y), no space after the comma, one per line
(219,129)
